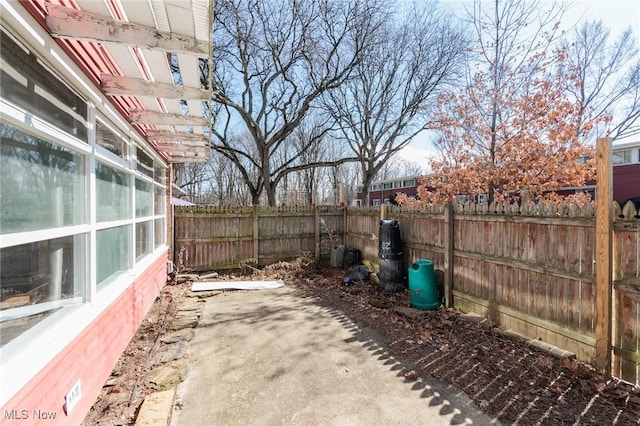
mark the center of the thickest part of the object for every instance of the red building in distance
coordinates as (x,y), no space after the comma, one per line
(626,179)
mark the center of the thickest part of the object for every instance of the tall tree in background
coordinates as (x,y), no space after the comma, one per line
(384,105)
(610,76)
(274,59)
(513,130)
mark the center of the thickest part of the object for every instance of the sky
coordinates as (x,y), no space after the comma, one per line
(616,14)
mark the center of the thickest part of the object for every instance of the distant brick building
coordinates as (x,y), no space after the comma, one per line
(382,191)
(626,171)
(626,179)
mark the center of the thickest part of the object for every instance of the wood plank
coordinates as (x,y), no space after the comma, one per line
(167,135)
(127,86)
(68,23)
(186,146)
(160,118)
(629,332)
(603,266)
(448,255)
(187,159)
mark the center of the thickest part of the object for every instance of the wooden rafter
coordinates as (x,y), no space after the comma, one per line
(187,159)
(127,86)
(183,146)
(159,118)
(65,22)
(166,135)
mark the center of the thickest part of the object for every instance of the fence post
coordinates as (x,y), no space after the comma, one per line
(256,239)
(383,211)
(316,222)
(345,226)
(603,253)
(448,254)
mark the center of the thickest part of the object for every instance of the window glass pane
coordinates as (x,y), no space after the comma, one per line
(144,243)
(160,174)
(112,252)
(621,157)
(159,232)
(43,185)
(112,194)
(27,83)
(110,140)
(159,201)
(144,198)
(144,163)
(38,279)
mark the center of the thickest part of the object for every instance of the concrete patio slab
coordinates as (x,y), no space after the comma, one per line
(275,358)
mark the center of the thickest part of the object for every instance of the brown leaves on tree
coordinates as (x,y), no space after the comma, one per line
(511,135)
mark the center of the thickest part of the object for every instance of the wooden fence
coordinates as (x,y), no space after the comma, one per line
(529,268)
(213,237)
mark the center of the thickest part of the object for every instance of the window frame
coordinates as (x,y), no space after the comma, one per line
(25,355)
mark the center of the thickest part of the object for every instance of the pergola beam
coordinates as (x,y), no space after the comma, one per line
(127,86)
(186,147)
(166,135)
(68,23)
(160,118)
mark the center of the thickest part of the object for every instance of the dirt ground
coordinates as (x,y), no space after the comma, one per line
(506,378)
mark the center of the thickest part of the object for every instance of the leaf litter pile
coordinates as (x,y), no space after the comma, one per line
(505,377)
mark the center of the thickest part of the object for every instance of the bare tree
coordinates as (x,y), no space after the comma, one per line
(385,105)
(274,59)
(227,186)
(610,74)
(193,179)
(398,167)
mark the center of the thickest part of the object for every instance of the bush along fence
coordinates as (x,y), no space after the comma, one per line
(529,268)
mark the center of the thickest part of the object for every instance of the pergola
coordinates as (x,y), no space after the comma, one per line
(151,58)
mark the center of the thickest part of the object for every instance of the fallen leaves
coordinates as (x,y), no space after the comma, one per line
(572,365)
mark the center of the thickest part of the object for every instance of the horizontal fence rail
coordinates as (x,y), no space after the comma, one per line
(225,237)
(529,267)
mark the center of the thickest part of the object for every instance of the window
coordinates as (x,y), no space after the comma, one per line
(26,81)
(388,185)
(38,279)
(622,157)
(112,194)
(108,138)
(113,252)
(159,231)
(159,200)
(144,198)
(376,202)
(43,185)
(408,183)
(144,163)
(144,238)
(159,174)
(46,231)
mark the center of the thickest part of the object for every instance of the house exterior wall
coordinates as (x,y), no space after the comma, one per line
(85,229)
(626,182)
(89,358)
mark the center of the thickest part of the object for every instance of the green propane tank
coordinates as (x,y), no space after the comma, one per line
(423,290)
